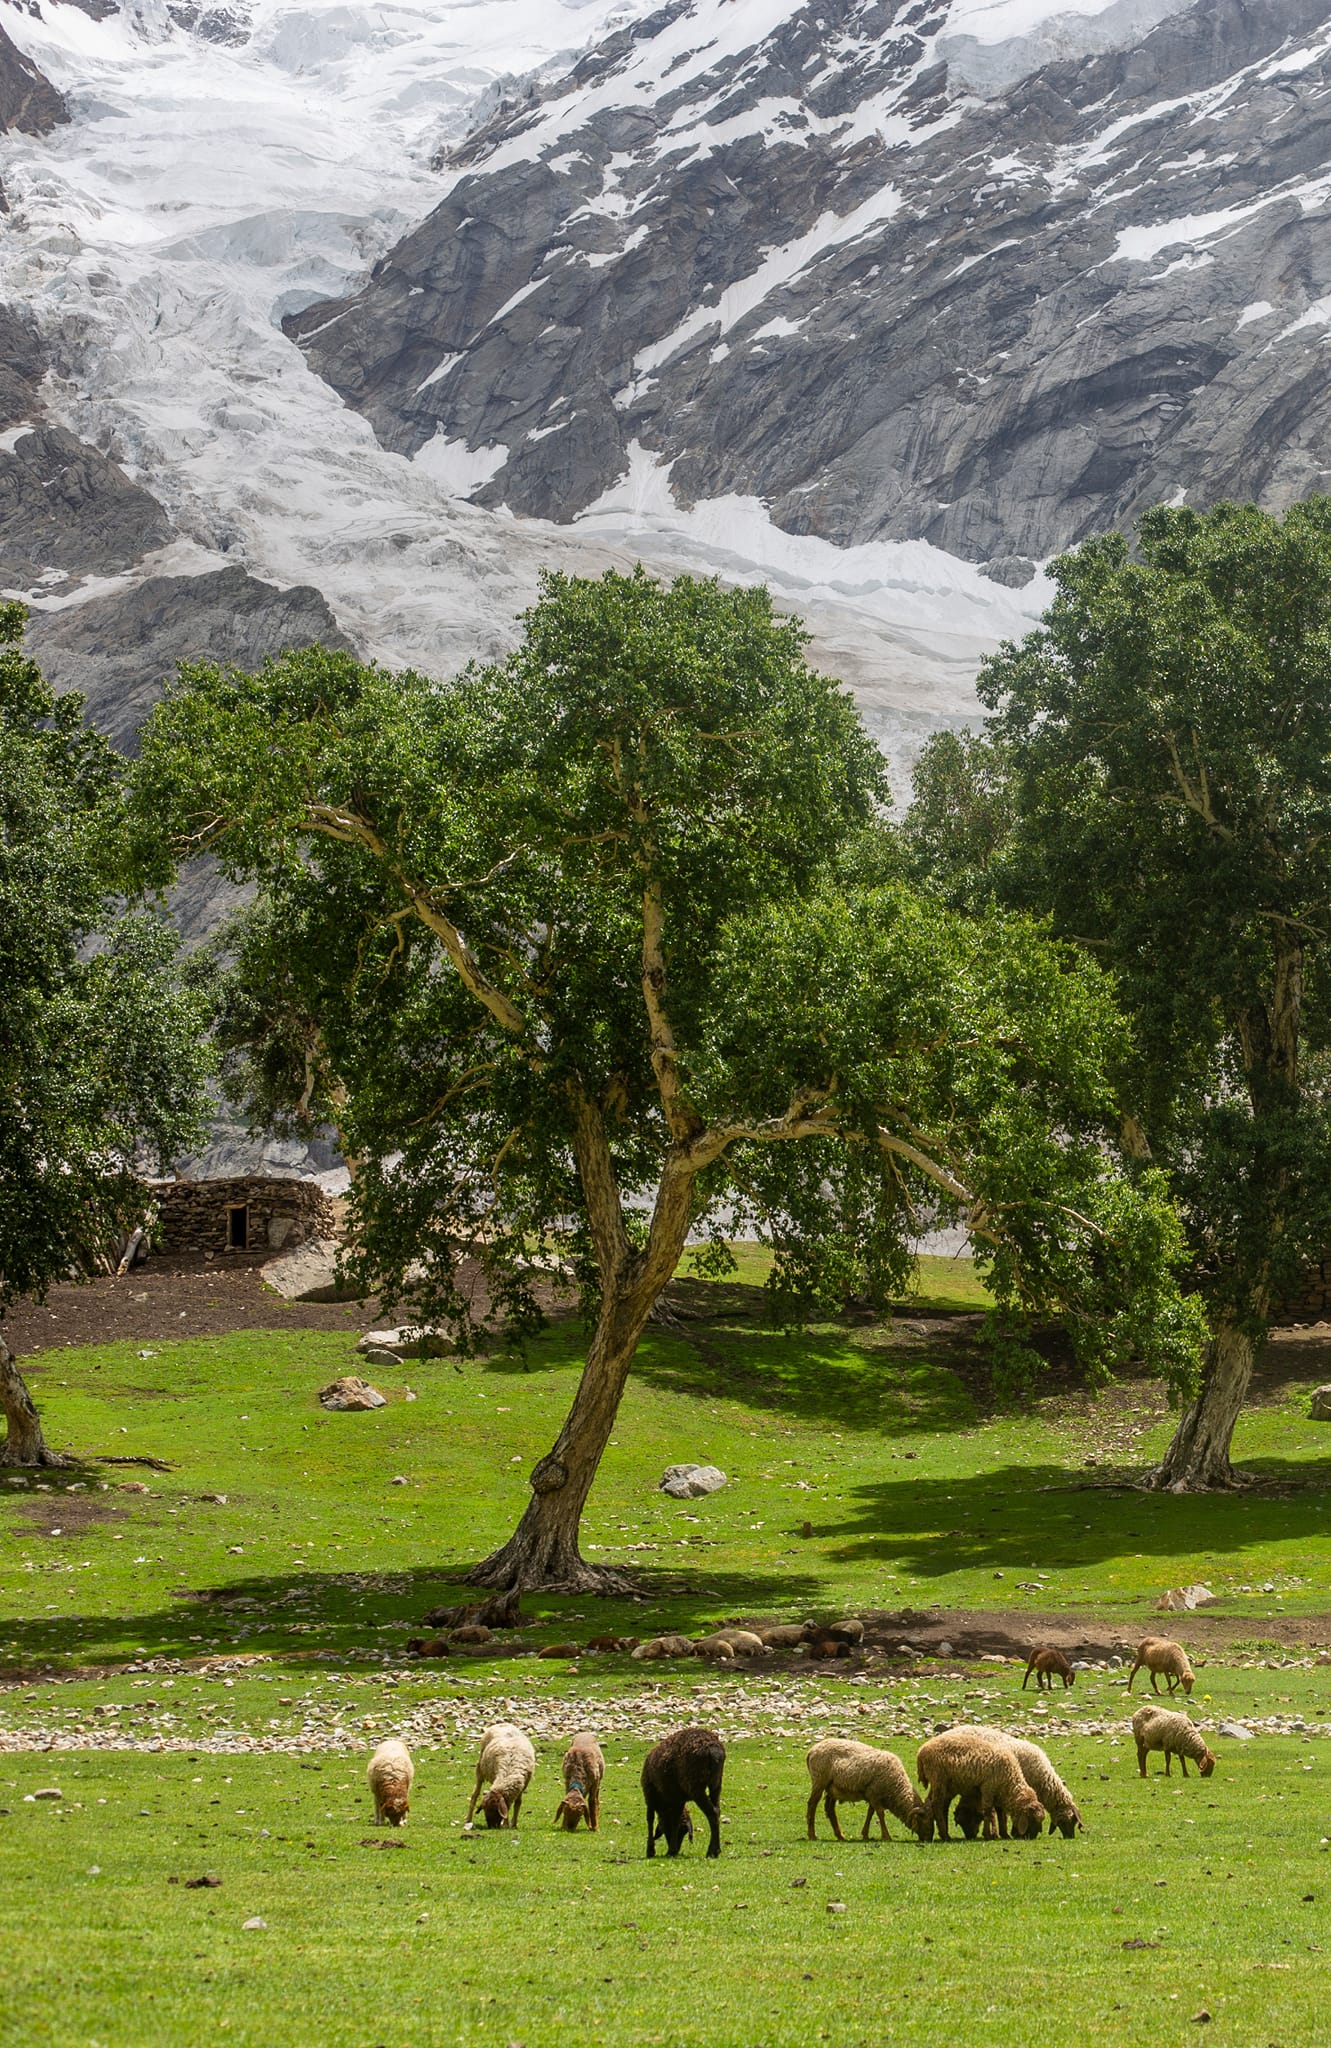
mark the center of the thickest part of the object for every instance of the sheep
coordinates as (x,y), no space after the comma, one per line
(787,1635)
(427,1646)
(819,1649)
(583,1768)
(685,1765)
(554,1650)
(1047,1663)
(851,1632)
(725,1643)
(1157,1654)
(663,1646)
(390,1772)
(1176,1735)
(1043,1780)
(601,1645)
(978,1761)
(853,1771)
(506,1763)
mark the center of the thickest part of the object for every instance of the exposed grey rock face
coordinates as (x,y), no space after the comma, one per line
(22,366)
(65,506)
(119,649)
(28,100)
(822,270)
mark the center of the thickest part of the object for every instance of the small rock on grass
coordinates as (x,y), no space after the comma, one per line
(835,1906)
(1236,1730)
(255,1926)
(46,1792)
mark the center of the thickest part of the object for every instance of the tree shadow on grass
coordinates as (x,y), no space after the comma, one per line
(1023,1518)
(368,1618)
(822,1376)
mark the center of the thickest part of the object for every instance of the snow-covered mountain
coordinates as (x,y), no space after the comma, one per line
(347,315)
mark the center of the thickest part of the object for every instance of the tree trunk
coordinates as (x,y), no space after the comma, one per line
(543,1549)
(24,1443)
(1197,1460)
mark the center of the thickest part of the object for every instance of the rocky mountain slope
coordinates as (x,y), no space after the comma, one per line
(808,254)
(29,103)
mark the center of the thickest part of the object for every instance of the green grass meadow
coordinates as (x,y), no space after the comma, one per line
(316,1563)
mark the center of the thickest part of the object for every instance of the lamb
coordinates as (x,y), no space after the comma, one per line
(390,1772)
(981,1762)
(819,1649)
(583,1768)
(685,1765)
(853,1771)
(1043,1780)
(506,1764)
(1176,1735)
(663,1646)
(1047,1663)
(1158,1655)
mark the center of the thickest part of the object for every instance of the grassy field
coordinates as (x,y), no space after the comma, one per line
(310,1557)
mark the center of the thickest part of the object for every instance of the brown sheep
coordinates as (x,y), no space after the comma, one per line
(1043,1780)
(979,1762)
(1176,1735)
(1048,1663)
(583,1768)
(685,1765)
(662,1646)
(843,1770)
(1158,1655)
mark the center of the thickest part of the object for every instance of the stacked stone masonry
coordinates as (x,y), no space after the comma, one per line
(242,1215)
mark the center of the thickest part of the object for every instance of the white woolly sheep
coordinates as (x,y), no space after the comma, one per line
(787,1635)
(583,1768)
(976,1761)
(1176,1735)
(390,1772)
(844,1770)
(1162,1658)
(506,1764)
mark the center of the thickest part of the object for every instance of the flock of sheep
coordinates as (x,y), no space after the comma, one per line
(988,1782)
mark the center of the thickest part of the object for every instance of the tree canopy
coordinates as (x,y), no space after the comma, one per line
(1155,773)
(103,1054)
(603,948)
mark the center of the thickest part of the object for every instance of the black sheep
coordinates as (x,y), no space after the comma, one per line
(685,1765)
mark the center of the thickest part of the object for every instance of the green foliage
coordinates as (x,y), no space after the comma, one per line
(1156,774)
(102,1053)
(633,881)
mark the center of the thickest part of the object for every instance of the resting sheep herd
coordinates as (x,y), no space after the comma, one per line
(990,1783)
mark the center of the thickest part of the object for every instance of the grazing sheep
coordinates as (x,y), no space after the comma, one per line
(583,1768)
(853,1771)
(390,1772)
(1158,1655)
(1048,1663)
(663,1646)
(1043,1780)
(506,1764)
(1176,1735)
(787,1635)
(978,1761)
(685,1765)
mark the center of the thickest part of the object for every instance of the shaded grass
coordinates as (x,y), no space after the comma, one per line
(869,1437)
(948,1284)
(542,1939)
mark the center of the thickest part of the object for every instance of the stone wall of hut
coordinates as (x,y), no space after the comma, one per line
(245,1214)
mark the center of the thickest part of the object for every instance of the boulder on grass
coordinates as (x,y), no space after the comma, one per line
(1183,1599)
(1319,1406)
(411,1340)
(688,1482)
(350,1392)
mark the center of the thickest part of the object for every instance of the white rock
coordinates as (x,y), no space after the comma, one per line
(410,1340)
(350,1393)
(1236,1730)
(688,1482)
(1319,1404)
(254,1925)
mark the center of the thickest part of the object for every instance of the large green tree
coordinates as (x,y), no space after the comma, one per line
(1155,772)
(103,1055)
(602,949)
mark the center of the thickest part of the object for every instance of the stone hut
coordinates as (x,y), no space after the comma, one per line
(247,1214)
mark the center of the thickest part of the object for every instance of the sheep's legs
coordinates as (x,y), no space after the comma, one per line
(1141,1760)
(710,1802)
(1133,1673)
(810,1814)
(513,1811)
(829,1808)
(594,1808)
(651,1829)
(476,1793)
